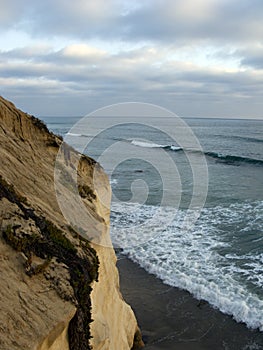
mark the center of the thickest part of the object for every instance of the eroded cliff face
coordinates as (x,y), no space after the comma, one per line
(114,322)
(47,269)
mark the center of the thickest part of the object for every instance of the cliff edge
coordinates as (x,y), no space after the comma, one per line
(58,290)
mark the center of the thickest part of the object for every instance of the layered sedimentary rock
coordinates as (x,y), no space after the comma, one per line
(53,280)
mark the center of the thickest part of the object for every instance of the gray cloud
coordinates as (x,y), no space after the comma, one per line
(12,12)
(252,57)
(99,76)
(156,20)
(77,75)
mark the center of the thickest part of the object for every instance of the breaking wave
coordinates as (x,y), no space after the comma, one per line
(224,158)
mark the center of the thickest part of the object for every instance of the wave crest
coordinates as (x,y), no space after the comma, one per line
(155,145)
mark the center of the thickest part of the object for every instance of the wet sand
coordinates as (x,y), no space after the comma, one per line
(172,319)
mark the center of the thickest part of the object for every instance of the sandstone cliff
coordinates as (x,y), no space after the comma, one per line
(54,282)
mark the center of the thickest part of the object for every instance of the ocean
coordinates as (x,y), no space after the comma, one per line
(190,214)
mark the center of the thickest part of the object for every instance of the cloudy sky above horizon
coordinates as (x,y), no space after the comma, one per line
(197,58)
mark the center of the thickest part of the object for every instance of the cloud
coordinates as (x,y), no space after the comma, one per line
(82,52)
(191,55)
(203,20)
(155,20)
(12,11)
(149,74)
(80,18)
(252,56)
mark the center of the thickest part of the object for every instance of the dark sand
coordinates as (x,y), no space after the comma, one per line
(172,319)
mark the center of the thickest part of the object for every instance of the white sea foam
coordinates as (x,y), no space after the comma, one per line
(113,182)
(175,148)
(73,134)
(154,145)
(205,261)
(146,144)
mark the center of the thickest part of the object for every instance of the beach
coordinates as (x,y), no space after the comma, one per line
(172,319)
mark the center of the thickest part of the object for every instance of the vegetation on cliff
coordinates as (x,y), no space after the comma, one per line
(51,242)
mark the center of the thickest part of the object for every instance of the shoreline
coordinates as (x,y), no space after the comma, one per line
(171,318)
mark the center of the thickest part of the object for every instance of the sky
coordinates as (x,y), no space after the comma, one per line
(199,58)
